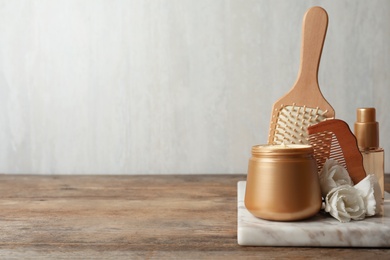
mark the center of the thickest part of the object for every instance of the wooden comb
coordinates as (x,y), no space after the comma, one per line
(332,139)
(304,104)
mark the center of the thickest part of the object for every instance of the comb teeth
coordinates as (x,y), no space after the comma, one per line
(326,145)
(332,139)
(293,121)
(336,153)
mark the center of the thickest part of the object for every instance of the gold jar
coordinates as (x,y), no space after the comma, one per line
(282,183)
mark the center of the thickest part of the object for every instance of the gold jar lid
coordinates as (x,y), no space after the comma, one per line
(282,149)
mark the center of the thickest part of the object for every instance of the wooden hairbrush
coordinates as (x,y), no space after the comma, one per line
(304,104)
(332,139)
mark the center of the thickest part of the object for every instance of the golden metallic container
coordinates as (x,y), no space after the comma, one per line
(282,183)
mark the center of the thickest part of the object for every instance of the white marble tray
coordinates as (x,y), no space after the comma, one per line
(319,231)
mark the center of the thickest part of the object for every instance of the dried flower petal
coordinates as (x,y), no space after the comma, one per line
(333,175)
(371,194)
(345,203)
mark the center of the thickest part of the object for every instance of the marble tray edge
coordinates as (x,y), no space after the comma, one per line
(242,240)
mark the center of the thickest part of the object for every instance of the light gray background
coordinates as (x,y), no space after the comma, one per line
(171,86)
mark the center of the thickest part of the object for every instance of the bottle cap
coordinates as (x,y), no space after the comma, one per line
(366,128)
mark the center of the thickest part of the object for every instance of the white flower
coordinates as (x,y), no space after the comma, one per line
(371,194)
(333,175)
(345,203)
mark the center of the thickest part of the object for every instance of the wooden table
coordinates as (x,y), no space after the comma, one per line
(175,216)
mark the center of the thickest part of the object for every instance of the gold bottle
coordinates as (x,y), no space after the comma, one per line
(282,182)
(367,135)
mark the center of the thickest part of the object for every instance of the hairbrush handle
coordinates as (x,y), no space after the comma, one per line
(315,24)
(305,96)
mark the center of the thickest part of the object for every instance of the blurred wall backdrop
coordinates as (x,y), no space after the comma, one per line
(171,86)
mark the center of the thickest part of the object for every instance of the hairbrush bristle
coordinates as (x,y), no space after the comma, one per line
(292,123)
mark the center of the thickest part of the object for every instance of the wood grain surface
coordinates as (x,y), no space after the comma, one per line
(113,217)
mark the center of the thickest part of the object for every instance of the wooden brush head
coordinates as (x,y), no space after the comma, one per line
(304,104)
(332,139)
